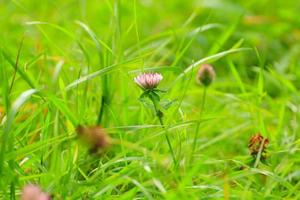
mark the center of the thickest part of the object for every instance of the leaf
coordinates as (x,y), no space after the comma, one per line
(209,59)
(144,95)
(161,91)
(7,137)
(168,103)
(154,96)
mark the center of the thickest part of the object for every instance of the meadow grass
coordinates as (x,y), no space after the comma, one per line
(72,62)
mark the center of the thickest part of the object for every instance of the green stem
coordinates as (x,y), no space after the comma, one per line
(160,118)
(200,117)
(104,100)
(101,110)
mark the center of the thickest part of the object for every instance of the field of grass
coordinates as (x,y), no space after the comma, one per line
(67,63)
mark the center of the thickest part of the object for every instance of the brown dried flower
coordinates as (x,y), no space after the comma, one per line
(258,143)
(33,192)
(95,136)
(206,74)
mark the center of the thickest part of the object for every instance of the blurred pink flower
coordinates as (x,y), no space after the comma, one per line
(33,192)
(148,80)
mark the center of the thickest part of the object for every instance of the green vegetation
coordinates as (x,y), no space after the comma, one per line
(66,63)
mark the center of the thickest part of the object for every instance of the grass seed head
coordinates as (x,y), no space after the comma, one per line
(95,137)
(206,75)
(149,80)
(33,192)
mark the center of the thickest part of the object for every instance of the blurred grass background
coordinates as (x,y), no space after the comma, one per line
(82,56)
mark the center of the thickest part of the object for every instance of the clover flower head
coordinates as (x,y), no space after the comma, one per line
(148,80)
(206,74)
(33,192)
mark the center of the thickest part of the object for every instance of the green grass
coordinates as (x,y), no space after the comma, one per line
(64,63)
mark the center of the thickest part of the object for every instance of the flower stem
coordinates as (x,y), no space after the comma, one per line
(159,115)
(198,124)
